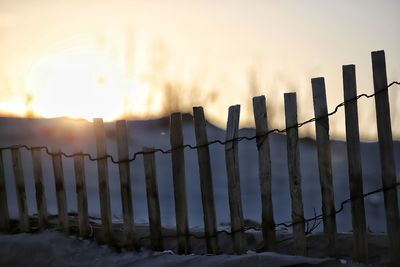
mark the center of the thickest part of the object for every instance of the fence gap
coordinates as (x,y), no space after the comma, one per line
(293,158)
(264,169)
(4,213)
(207,193)
(153,202)
(102,169)
(20,189)
(125,181)
(178,173)
(388,167)
(60,190)
(232,169)
(39,187)
(354,167)
(81,193)
(324,162)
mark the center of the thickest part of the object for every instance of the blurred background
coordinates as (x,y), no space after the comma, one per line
(145,59)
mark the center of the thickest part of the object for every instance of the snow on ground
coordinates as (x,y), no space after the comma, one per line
(53,249)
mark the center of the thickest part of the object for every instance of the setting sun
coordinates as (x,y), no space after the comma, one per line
(83,81)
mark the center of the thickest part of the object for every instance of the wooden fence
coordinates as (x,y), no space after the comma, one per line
(232,168)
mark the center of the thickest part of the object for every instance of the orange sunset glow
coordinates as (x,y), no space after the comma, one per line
(88,83)
(144,59)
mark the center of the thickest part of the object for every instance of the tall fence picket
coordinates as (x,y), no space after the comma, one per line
(153,202)
(388,167)
(4,213)
(20,187)
(264,169)
(125,182)
(354,160)
(178,174)
(324,162)
(104,190)
(207,193)
(60,190)
(232,169)
(293,158)
(83,220)
(39,187)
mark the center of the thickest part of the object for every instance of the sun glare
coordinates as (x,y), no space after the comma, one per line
(84,82)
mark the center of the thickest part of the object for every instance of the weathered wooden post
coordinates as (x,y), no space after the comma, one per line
(178,174)
(264,170)
(207,193)
(39,187)
(4,214)
(153,203)
(232,169)
(81,193)
(102,168)
(354,161)
(293,158)
(125,181)
(324,162)
(20,188)
(60,190)
(388,167)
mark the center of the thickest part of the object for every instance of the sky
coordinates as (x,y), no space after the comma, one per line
(143,59)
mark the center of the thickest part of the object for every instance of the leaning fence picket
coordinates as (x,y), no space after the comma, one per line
(81,193)
(153,202)
(178,174)
(232,169)
(265,176)
(293,158)
(39,187)
(386,152)
(20,189)
(125,182)
(60,190)
(104,190)
(206,184)
(4,213)
(324,162)
(354,168)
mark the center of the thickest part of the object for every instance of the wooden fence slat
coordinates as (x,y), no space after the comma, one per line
(354,161)
(60,190)
(81,193)
(264,169)
(20,187)
(324,162)
(4,213)
(206,184)
(178,173)
(104,190)
(125,181)
(388,167)
(153,202)
(232,169)
(39,187)
(293,158)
